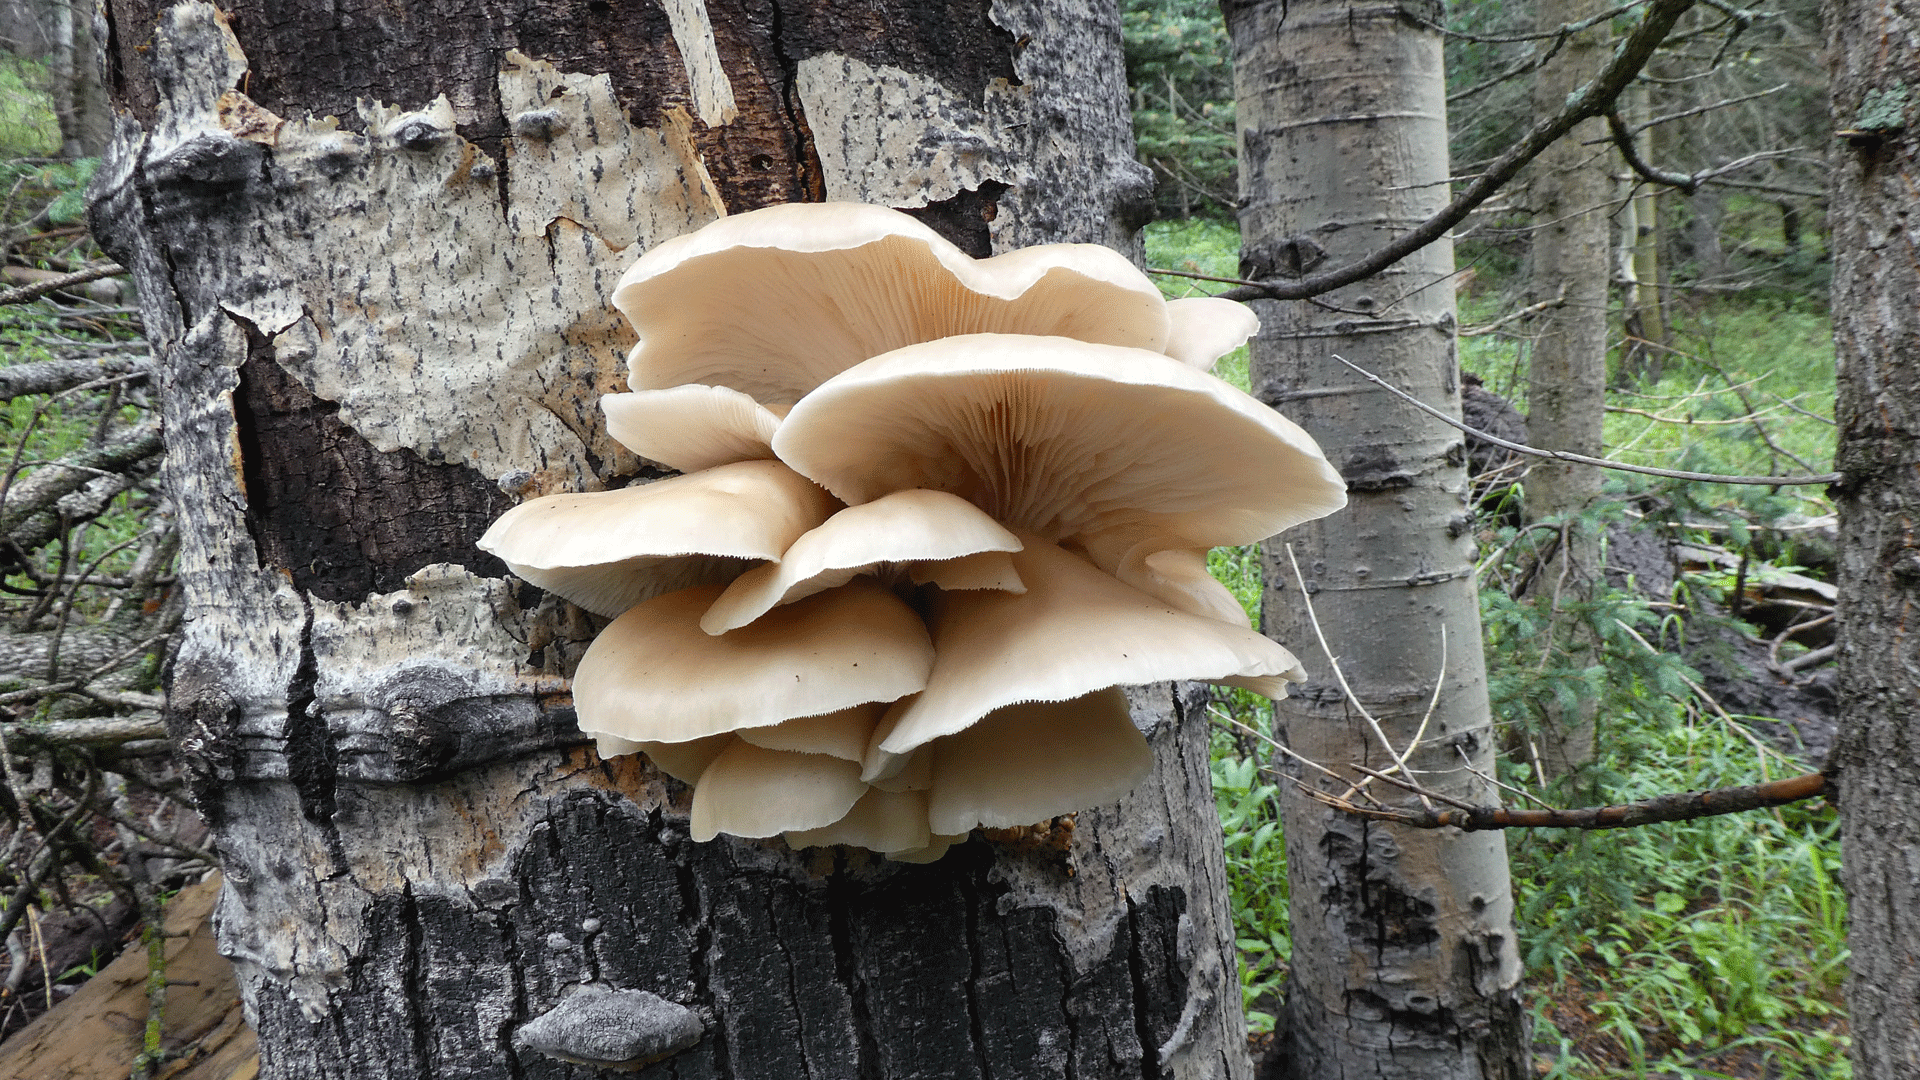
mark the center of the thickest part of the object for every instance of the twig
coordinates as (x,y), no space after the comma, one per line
(1582,459)
(1532,309)
(1314,621)
(1683,806)
(24,293)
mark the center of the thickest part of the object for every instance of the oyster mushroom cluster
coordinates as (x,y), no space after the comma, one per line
(935,513)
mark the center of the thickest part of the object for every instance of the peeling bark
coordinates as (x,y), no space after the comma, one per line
(373,332)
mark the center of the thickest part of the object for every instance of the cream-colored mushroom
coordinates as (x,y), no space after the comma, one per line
(884,821)
(1206,328)
(1074,631)
(832,284)
(1028,762)
(653,676)
(905,526)
(753,791)
(1062,438)
(609,550)
(694,427)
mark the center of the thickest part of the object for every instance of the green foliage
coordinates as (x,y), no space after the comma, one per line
(1697,949)
(27,125)
(1180,67)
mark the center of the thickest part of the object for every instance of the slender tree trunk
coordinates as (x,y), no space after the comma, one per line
(1404,962)
(1567,379)
(1874,46)
(369,327)
(1645,318)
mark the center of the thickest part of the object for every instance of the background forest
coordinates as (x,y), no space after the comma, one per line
(1708,948)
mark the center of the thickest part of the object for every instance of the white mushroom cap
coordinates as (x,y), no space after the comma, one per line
(884,821)
(981,570)
(776,301)
(1074,631)
(684,761)
(1028,762)
(1179,576)
(693,427)
(1206,328)
(752,791)
(842,734)
(608,550)
(902,527)
(1059,438)
(652,676)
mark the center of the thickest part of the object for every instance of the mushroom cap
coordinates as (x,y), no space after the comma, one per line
(843,734)
(1028,762)
(1074,631)
(684,761)
(981,570)
(752,791)
(884,821)
(609,550)
(1179,576)
(906,526)
(831,284)
(692,427)
(652,676)
(1059,438)
(1206,328)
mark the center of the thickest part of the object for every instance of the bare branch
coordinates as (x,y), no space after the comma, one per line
(1589,101)
(66,281)
(56,376)
(1681,806)
(1582,459)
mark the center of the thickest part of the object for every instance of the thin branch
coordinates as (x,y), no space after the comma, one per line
(1623,141)
(1589,101)
(1582,459)
(66,281)
(1531,309)
(1682,806)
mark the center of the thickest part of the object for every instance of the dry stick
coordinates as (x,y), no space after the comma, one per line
(66,281)
(1681,806)
(1582,459)
(1589,101)
(1314,621)
(1532,309)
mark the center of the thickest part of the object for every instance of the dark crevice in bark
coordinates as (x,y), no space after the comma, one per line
(413,979)
(312,766)
(1142,996)
(976,1029)
(964,219)
(842,891)
(809,178)
(696,921)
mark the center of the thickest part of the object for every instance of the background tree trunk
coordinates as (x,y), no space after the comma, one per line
(1874,47)
(370,328)
(1567,375)
(1404,961)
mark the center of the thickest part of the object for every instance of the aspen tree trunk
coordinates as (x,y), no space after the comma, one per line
(1404,960)
(1874,47)
(1571,192)
(375,244)
(1645,320)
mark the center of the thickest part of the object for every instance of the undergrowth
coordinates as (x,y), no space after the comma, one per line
(1711,948)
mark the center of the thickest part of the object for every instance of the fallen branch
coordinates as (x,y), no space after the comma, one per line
(65,281)
(55,376)
(1682,806)
(1582,459)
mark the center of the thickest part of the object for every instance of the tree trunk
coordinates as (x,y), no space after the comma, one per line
(1645,319)
(1567,377)
(369,328)
(1404,960)
(1874,46)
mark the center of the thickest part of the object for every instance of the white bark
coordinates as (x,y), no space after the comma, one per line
(1404,960)
(366,330)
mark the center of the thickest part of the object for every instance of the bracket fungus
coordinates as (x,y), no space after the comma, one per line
(935,512)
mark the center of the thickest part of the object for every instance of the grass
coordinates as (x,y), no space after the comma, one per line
(1703,949)
(27,123)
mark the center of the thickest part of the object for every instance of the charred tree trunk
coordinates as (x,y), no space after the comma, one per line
(1404,959)
(1874,46)
(370,329)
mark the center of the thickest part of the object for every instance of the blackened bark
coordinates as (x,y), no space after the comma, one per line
(369,330)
